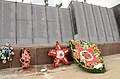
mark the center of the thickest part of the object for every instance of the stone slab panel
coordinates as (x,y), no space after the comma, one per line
(106,23)
(113,24)
(52,13)
(42,56)
(40,32)
(7,23)
(8,10)
(54,32)
(99,24)
(39,13)
(66,32)
(65,24)
(3,66)
(106,48)
(80,21)
(24,32)
(1,30)
(23,11)
(64,15)
(16,58)
(90,23)
(116,47)
(1,9)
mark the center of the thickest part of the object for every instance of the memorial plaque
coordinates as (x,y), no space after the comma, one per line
(52,13)
(90,23)
(54,32)
(106,24)
(39,13)
(23,11)
(24,32)
(99,24)
(80,21)
(66,27)
(113,25)
(40,32)
(8,23)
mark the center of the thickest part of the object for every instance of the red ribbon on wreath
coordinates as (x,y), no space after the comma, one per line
(59,54)
(87,54)
(25,57)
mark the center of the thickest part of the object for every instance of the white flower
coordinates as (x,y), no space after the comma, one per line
(98,66)
(60,54)
(12,53)
(85,46)
(7,44)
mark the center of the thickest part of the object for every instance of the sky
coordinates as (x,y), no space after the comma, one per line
(103,3)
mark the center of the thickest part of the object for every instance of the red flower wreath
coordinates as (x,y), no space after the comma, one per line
(86,55)
(59,54)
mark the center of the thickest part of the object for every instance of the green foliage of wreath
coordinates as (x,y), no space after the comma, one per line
(6,54)
(83,65)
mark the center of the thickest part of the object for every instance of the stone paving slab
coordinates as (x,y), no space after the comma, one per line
(71,71)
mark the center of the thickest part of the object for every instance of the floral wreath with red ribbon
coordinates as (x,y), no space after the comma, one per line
(87,56)
(25,57)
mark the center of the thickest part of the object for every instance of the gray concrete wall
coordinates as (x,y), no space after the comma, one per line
(96,23)
(39,24)
(7,22)
(22,23)
(116,10)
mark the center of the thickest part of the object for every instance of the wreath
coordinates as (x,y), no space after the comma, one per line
(59,54)
(6,53)
(25,57)
(87,56)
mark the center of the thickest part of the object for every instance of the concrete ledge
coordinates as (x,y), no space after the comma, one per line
(39,53)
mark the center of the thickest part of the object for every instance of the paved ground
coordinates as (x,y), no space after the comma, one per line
(72,71)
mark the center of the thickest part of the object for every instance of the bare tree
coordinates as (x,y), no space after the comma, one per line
(59,5)
(46,2)
(84,1)
(22,0)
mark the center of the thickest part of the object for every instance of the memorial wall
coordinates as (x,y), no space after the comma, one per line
(94,23)
(116,10)
(22,23)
